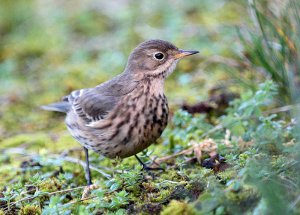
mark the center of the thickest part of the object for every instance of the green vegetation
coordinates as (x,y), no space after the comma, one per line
(274,46)
(239,158)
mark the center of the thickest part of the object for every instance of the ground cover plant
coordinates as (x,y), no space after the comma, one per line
(232,143)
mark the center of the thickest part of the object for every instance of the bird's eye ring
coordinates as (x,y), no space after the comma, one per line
(158,55)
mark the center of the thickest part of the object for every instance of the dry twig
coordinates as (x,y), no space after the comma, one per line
(205,146)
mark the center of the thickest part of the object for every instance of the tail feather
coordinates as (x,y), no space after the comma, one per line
(63,107)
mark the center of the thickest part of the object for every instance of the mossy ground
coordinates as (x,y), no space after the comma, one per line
(48,49)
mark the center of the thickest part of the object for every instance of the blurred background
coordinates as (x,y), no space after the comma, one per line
(49,48)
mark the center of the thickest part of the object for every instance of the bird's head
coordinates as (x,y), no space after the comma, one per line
(155,58)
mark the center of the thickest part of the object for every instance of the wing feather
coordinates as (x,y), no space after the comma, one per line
(93,104)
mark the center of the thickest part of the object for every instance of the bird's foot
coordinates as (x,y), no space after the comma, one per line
(87,191)
(147,168)
(150,171)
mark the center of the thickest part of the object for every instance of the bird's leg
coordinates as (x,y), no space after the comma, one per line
(90,186)
(145,167)
(87,167)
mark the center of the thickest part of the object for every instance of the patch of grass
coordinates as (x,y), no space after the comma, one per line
(273,46)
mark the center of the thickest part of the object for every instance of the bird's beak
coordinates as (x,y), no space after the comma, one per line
(183,53)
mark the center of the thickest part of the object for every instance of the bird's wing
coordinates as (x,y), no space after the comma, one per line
(94,103)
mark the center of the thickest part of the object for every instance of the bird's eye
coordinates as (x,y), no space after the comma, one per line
(159,55)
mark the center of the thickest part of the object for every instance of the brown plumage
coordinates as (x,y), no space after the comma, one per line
(126,114)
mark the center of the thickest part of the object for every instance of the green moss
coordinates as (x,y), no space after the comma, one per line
(50,185)
(160,196)
(227,175)
(243,159)
(200,173)
(30,210)
(172,175)
(242,194)
(178,208)
(37,140)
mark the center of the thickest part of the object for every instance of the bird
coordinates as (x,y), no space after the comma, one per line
(123,116)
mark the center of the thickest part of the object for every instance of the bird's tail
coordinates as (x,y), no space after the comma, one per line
(63,107)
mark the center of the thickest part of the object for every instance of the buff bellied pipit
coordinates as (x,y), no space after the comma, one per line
(126,114)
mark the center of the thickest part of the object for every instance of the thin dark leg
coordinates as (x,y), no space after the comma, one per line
(145,167)
(87,167)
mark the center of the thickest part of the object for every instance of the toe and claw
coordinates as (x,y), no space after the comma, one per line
(147,168)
